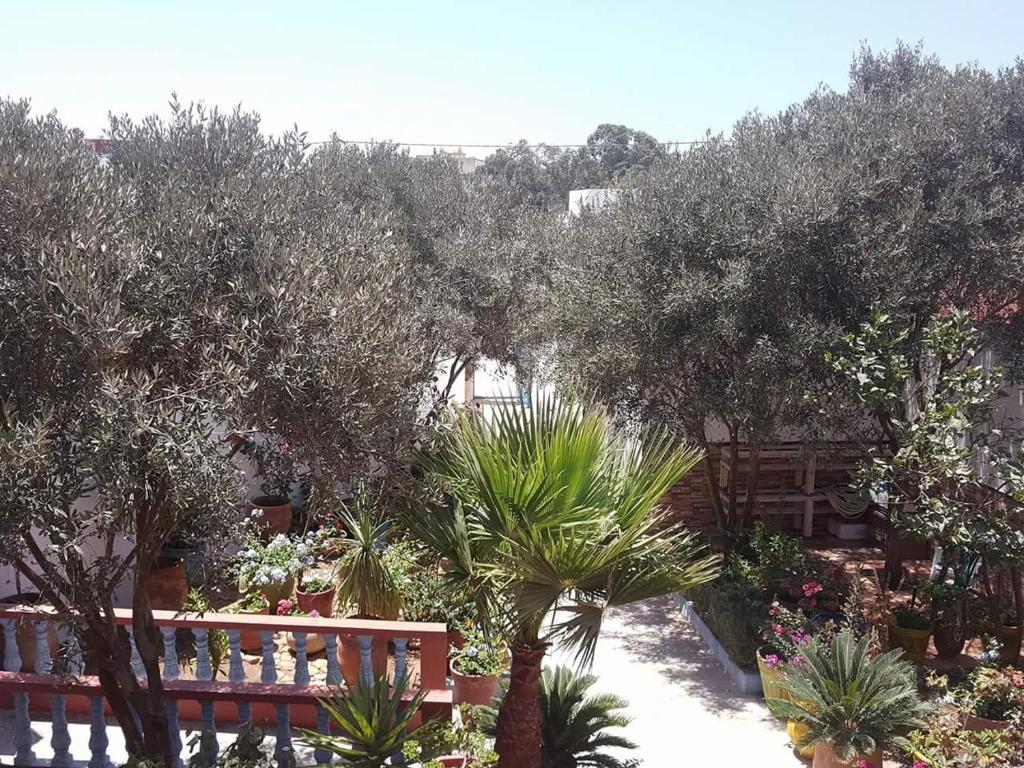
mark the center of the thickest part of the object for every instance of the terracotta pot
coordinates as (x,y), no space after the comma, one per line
(25,637)
(771,677)
(452,761)
(974,723)
(321,602)
(314,643)
(949,635)
(1009,638)
(825,758)
(277,514)
(275,593)
(914,642)
(167,587)
(474,689)
(349,655)
(251,640)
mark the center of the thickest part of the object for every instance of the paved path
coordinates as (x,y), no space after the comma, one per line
(685,710)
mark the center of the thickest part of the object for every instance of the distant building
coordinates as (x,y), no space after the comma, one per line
(465,163)
(590,198)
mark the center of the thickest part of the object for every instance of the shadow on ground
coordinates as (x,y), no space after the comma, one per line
(655,632)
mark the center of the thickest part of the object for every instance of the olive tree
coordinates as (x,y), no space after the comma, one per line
(197,283)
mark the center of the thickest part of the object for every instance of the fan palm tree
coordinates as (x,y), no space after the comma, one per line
(575,724)
(550,517)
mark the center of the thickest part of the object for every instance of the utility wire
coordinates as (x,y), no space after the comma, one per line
(462,145)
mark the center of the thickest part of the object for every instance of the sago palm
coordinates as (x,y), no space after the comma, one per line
(552,516)
(856,704)
(576,725)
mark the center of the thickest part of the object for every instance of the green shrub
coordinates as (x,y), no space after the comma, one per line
(735,612)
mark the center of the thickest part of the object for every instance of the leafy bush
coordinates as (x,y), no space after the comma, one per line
(944,743)
(996,694)
(428,595)
(735,612)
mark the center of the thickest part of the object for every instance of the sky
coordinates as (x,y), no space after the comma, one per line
(464,73)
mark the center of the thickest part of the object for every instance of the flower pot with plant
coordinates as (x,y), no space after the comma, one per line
(429,594)
(366,585)
(783,634)
(272,567)
(851,704)
(316,593)
(167,586)
(993,698)
(911,629)
(314,642)
(1007,632)
(476,667)
(275,467)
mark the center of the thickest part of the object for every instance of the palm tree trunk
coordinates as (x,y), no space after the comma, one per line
(518,734)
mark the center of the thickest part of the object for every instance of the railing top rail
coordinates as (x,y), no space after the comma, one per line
(256,693)
(268,622)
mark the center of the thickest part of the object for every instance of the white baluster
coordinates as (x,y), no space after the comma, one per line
(323,756)
(204,673)
(269,672)
(366,672)
(401,661)
(172,671)
(98,741)
(60,739)
(236,672)
(22,722)
(137,666)
(333,667)
(283,745)
(301,659)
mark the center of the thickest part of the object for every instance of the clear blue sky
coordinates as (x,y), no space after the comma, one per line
(472,71)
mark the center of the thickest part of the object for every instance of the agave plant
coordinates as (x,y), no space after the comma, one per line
(368,724)
(850,701)
(575,724)
(546,511)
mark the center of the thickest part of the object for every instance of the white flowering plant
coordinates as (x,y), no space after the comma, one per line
(273,563)
(480,655)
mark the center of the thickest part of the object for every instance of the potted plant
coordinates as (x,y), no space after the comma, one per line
(910,629)
(949,617)
(314,642)
(852,705)
(783,635)
(275,468)
(272,567)
(1007,631)
(316,593)
(429,595)
(476,667)
(994,697)
(365,583)
(252,604)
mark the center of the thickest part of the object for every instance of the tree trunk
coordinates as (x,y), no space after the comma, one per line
(734,466)
(1018,593)
(103,647)
(753,473)
(518,735)
(711,480)
(149,702)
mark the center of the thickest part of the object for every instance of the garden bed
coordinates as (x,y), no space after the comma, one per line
(748,682)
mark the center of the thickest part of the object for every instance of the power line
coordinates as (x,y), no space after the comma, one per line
(470,145)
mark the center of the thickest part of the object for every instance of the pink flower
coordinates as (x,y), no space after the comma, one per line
(863,763)
(814,602)
(778,629)
(797,660)
(284,607)
(314,614)
(919,764)
(283,447)
(775,610)
(772,661)
(811,588)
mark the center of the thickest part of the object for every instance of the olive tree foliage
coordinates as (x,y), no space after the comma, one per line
(203,280)
(710,292)
(479,257)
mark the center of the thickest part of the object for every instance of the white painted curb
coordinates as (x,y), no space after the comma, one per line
(749,683)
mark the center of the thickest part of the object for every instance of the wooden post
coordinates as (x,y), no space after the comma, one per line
(809,495)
